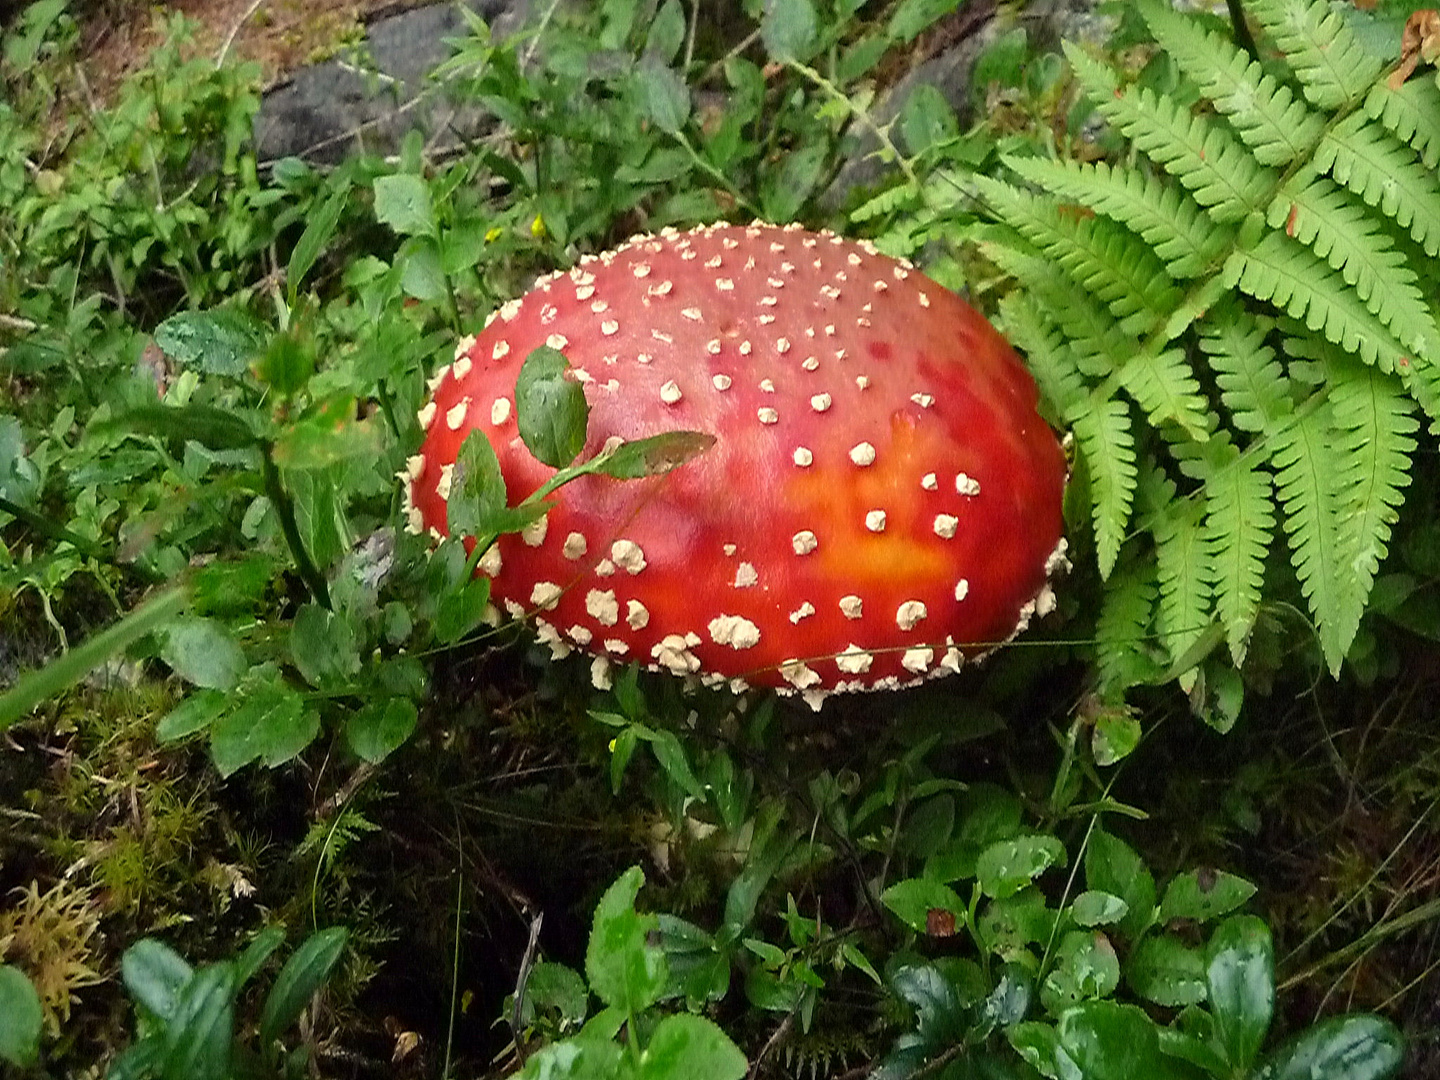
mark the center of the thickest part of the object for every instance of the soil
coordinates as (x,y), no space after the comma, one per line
(280,35)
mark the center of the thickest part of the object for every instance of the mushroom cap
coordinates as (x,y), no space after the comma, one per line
(882,497)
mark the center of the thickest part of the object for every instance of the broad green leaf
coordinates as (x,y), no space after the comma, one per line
(1204,894)
(556,986)
(1112,866)
(200,1029)
(1097,908)
(303,974)
(154,973)
(1240,978)
(422,270)
(687,1047)
(579,1059)
(218,429)
(665,745)
(380,728)
(271,724)
(329,435)
(667,32)
(21,1017)
(927,120)
(1360,1047)
(913,899)
(1165,970)
(256,953)
(664,97)
(287,364)
(655,455)
(318,230)
(551,410)
(1007,927)
(1085,968)
(221,341)
(913,16)
(1108,1041)
(788,29)
(202,651)
(624,969)
(1005,868)
(323,646)
(1115,735)
(195,713)
(403,202)
(461,610)
(476,506)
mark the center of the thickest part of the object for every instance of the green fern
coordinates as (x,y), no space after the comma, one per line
(1165,217)
(1385,173)
(1239,525)
(1334,71)
(1253,385)
(1108,448)
(1120,631)
(1411,114)
(1258,278)
(1269,119)
(1202,155)
(1185,560)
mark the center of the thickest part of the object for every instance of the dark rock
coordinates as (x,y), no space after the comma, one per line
(324,112)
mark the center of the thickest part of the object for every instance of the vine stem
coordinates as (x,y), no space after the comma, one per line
(861,115)
(285,510)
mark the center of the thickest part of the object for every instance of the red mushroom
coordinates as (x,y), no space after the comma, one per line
(882,496)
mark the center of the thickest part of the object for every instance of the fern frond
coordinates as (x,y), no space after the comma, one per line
(1423,383)
(1186,567)
(1370,162)
(1333,69)
(1166,388)
(1412,115)
(1239,525)
(1046,355)
(1121,654)
(1376,425)
(1106,260)
(1269,119)
(1167,218)
(1292,278)
(1345,235)
(1099,346)
(1218,171)
(1307,466)
(1252,381)
(1108,447)
(900,197)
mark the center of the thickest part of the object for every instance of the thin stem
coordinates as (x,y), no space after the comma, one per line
(864,117)
(1240,29)
(285,510)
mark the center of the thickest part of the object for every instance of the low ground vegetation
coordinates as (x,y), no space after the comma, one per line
(277,801)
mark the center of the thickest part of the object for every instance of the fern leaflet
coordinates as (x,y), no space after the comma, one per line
(1221,175)
(1099,346)
(1412,114)
(1104,259)
(1186,568)
(1383,172)
(1376,426)
(1252,382)
(1103,433)
(1291,277)
(1239,524)
(1307,462)
(1167,218)
(900,197)
(1166,388)
(1122,659)
(1342,233)
(1276,126)
(1333,69)
(1046,354)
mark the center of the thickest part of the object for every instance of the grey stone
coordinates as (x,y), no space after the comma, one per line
(323,112)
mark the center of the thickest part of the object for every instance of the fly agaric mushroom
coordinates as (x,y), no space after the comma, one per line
(882,495)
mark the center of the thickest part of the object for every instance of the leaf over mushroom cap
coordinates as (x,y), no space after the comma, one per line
(882,492)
